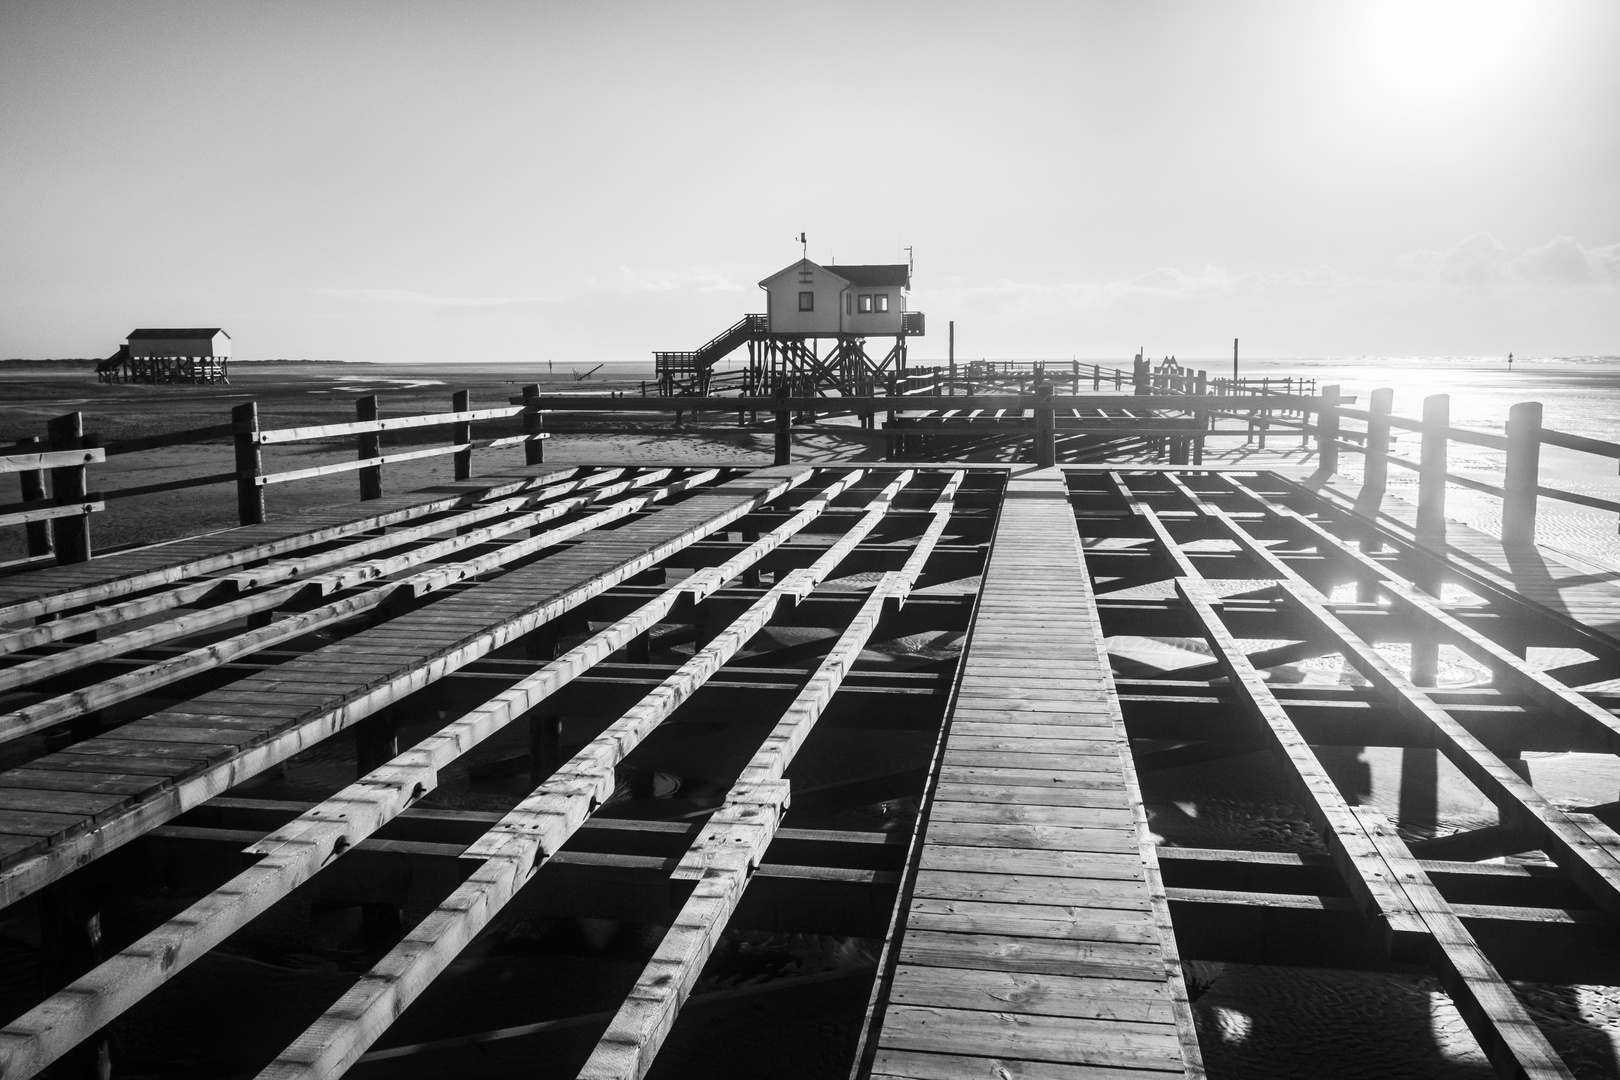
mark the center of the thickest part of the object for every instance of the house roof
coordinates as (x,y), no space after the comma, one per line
(190,332)
(896,276)
(877,275)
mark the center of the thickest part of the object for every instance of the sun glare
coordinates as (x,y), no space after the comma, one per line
(1434,51)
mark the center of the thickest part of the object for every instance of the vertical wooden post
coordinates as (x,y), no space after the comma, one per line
(72,534)
(545,747)
(1327,431)
(1431,523)
(1431,512)
(71,943)
(784,435)
(1200,416)
(1234,362)
(249,464)
(1375,477)
(534,422)
(1375,473)
(1523,475)
(461,433)
(1045,434)
(1096,378)
(33,490)
(370,447)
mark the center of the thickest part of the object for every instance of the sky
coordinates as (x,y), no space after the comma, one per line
(591,182)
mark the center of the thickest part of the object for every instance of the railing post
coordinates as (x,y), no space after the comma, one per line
(33,490)
(249,464)
(370,447)
(1375,458)
(1431,524)
(1200,417)
(72,534)
(1327,431)
(461,433)
(1522,475)
(784,434)
(534,422)
(1045,428)
(1431,512)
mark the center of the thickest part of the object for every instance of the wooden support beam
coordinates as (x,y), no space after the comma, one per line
(1586,848)
(733,842)
(1374,885)
(1391,885)
(511,852)
(296,851)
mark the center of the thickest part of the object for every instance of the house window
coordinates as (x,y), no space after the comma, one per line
(866,304)
(880,302)
(807,301)
(849,303)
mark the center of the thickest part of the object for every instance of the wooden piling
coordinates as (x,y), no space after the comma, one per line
(1375,459)
(370,447)
(249,464)
(534,423)
(1522,475)
(33,490)
(1327,431)
(461,434)
(1431,523)
(784,434)
(72,534)
(1045,428)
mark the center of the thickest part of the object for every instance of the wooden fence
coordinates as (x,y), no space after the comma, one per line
(58,521)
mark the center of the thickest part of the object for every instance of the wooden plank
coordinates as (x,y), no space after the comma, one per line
(1069,1040)
(298,850)
(539,826)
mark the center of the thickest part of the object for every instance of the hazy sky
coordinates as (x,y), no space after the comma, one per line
(587,182)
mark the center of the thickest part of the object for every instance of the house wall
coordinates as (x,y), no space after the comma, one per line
(188,346)
(782,301)
(887,322)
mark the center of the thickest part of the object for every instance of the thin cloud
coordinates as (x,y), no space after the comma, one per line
(406,298)
(1482,260)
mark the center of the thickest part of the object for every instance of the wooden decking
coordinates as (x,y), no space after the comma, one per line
(57,588)
(71,806)
(1036,930)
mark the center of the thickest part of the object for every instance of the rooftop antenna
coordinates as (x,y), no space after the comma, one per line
(910,261)
(805,246)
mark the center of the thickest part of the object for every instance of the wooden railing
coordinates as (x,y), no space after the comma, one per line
(57,520)
(1520,490)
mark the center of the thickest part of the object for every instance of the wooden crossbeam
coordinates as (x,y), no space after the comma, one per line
(511,852)
(296,851)
(254,546)
(1375,886)
(43,714)
(281,569)
(1590,855)
(1390,883)
(732,844)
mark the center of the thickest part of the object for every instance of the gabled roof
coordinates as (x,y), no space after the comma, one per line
(191,332)
(876,276)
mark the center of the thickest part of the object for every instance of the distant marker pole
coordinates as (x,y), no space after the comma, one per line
(1234,359)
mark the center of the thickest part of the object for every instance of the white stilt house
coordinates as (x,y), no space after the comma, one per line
(191,355)
(807,304)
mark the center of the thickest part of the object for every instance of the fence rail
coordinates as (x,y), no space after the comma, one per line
(57,522)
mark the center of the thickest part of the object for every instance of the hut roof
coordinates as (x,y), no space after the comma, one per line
(190,332)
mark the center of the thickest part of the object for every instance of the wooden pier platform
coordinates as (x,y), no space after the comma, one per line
(1037,929)
(835,705)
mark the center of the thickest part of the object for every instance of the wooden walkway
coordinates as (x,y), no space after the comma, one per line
(1036,929)
(103,578)
(66,808)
